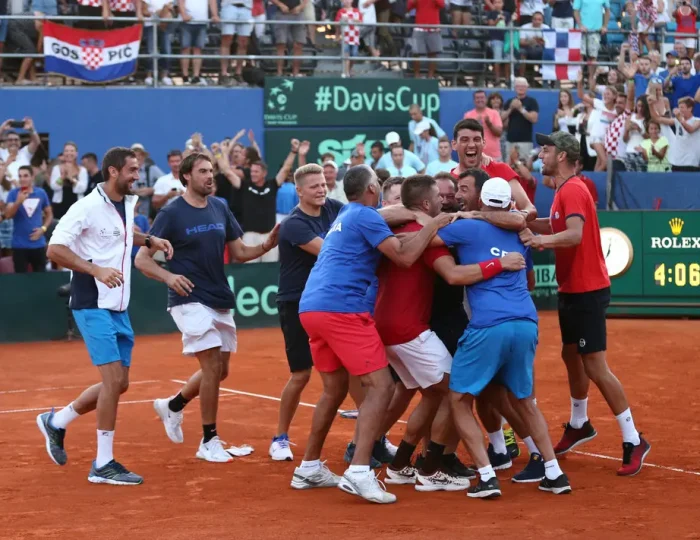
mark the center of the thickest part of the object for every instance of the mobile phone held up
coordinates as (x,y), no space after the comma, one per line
(17,124)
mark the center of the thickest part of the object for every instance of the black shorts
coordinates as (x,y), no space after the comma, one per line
(449,329)
(24,258)
(582,320)
(296,340)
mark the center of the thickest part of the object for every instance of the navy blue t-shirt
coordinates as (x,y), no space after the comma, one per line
(295,263)
(121,209)
(198,237)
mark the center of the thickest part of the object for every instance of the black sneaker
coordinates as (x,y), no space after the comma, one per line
(454,467)
(499,462)
(350,453)
(381,453)
(113,473)
(533,471)
(559,486)
(54,438)
(485,490)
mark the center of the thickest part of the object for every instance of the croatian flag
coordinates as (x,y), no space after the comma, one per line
(561,46)
(96,56)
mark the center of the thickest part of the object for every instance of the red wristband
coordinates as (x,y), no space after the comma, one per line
(491,268)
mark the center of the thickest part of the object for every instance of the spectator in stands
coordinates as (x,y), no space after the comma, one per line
(519,116)
(376,151)
(685,146)
(615,146)
(592,18)
(528,8)
(490,119)
(334,186)
(444,163)
(686,15)
(391,191)
(3,31)
(495,101)
(148,174)
(398,166)
(287,197)
(635,130)
(461,14)
(654,149)
(562,14)
(349,34)
(384,38)
(564,118)
(417,116)
(532,40)
(165,37)
(169,187)
(259,16)
(289,10)
(523,168)
(368,34)
(427,145)
(499,18)
(393,140)
(643,15)
(641,76)
(603,114)
(427,40)
(590,184)
(94,172)
(69,181)
(5,224)
(240,11)
(13,155)
(29,208)
(680,83)
(22,38)
(193,35)
(119,9)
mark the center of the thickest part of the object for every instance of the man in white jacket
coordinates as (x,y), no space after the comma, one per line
(94,240)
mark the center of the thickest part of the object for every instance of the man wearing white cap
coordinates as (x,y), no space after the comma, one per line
(500,342)
(426,145)
(393,140)
(416,117)
(335,187)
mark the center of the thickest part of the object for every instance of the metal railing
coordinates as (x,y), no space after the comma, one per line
(511,60)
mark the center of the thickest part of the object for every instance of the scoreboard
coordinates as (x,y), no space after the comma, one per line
(653,259)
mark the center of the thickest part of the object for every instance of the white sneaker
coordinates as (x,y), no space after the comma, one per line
(314,478)
(280,451)
(440,481)
(171,420)
(148,81)
(367,486)
(213,451)
(166,81)
(407,475)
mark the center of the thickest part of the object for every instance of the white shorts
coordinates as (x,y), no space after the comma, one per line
(204,328)
(421,362)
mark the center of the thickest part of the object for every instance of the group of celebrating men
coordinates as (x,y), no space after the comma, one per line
(361,290)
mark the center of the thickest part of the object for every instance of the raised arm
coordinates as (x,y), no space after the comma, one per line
(221,155)
(288,162)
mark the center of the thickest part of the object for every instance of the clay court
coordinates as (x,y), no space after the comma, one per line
(184,498)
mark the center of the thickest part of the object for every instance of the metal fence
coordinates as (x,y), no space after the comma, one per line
(478,31)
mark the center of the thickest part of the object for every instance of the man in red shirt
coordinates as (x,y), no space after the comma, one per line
(468,142)
(427,41)
(402,316)
(572,231)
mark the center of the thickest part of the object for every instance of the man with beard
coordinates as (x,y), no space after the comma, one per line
(99,298)
(584,295)
(200,299)
(468,142)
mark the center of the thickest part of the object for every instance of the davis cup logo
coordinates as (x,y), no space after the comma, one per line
(91,53)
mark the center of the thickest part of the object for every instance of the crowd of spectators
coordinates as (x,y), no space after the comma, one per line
(195,23)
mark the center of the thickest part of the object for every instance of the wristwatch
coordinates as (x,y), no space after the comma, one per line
(147,241)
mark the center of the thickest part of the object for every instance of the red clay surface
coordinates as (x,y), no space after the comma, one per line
(184,498)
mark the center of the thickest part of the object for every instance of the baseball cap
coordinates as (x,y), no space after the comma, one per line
(138,147)
(421,127)
(392,138)
(672,53)
(562,141)
(496,193)
(330,164)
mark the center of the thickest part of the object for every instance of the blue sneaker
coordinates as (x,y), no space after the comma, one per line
(350,453)
(499,461)
(533,471)
(279,449)
(113,473)
(54,438)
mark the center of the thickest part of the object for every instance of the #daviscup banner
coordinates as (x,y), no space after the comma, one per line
(96,56)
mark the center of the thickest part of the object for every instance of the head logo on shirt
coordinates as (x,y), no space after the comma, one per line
(205,228)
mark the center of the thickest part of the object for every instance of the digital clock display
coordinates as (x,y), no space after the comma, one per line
(672,275)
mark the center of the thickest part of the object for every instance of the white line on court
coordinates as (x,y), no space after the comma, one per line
(311,405)
(24,391)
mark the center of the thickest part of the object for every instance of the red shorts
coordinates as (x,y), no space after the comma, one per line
(348,340)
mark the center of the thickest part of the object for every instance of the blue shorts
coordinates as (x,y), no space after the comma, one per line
(193,36)
(351,50)
(107,334)
(504,354)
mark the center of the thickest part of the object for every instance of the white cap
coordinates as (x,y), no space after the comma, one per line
(330,163)
(496,193)
(422,126)
(392,138)
(138,147)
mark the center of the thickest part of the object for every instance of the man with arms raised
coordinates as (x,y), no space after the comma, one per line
(343,338)
(572,231)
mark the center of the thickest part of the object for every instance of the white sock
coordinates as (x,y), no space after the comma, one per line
(64,417)
(552,470)
(105,441)
(531,446)
(503,421)
(498,441)
(626,423)
(579,412)
(487,473)
(358,469)
(314,464)
(534,401)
